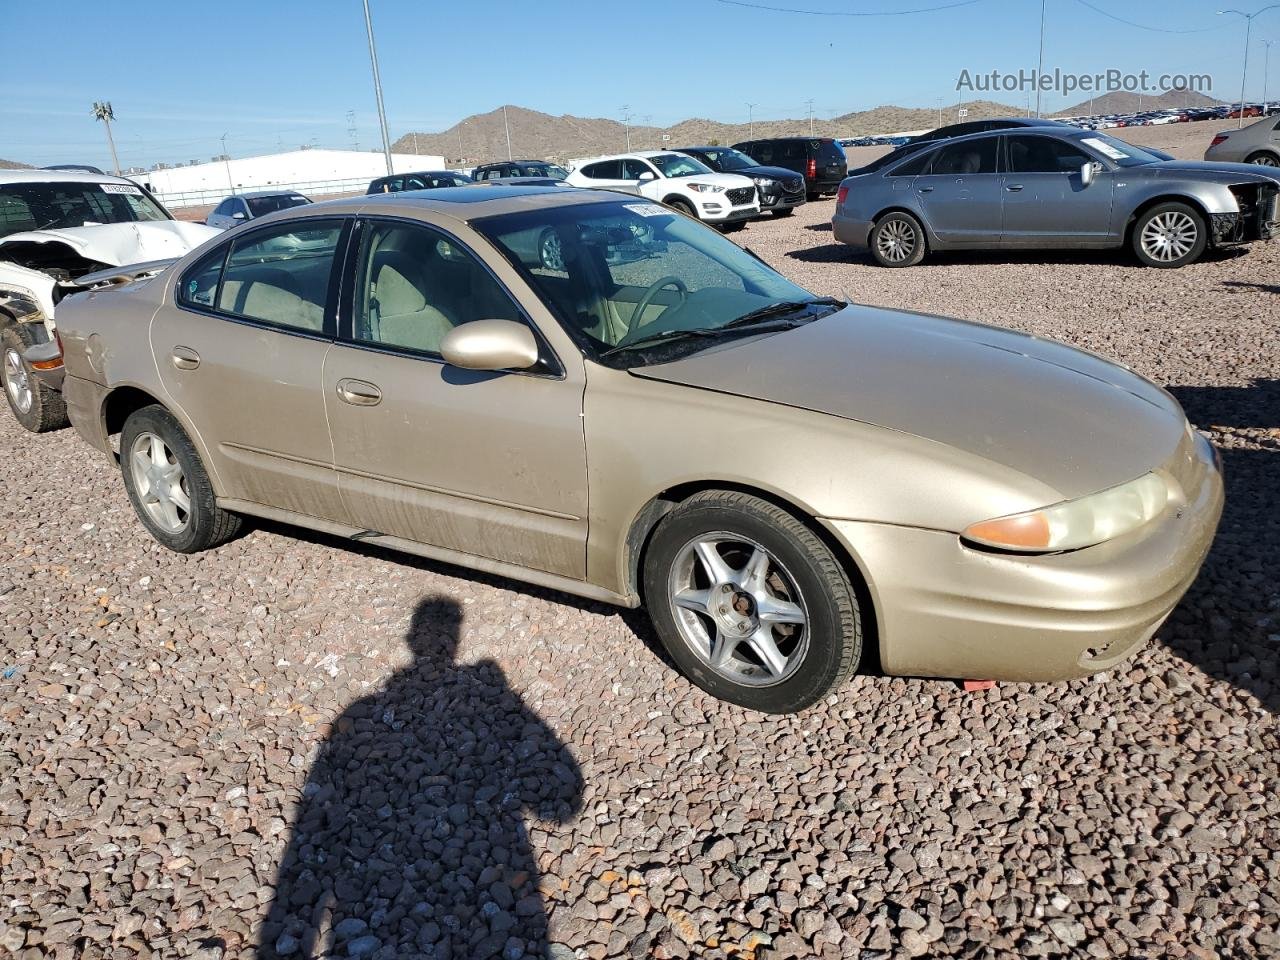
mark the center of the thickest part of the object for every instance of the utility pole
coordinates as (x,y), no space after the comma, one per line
(647,120)
(1266,66)
(226,160)
(352,133)
(102,111)
(939,100)
(810,103)
(751,121)
(377,86)
(1040,68)
(506,126)
(1244,70)
(462,153)
(626,122)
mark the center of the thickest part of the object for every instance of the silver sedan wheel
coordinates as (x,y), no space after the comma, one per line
(738,609)
(1169,236)
(17,381)
(1266,160)
(160,483)
(896,241)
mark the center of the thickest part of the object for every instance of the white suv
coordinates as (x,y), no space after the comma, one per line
(689,185)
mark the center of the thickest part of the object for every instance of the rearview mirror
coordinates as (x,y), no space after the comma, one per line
(490,345)
(647,176)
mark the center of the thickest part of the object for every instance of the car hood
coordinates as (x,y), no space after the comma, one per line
(1212,170)
(117,244)
(1067,418)
(775,173)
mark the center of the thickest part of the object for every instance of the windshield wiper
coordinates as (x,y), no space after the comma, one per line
(781,309)
(661,337)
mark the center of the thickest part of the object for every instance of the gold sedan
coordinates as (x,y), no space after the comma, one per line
(597,394)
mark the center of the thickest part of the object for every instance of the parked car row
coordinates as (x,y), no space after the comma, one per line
(582,356)
(1030,184)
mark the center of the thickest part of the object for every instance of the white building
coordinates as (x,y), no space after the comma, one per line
(312,172)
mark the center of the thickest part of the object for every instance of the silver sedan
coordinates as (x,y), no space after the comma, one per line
(1048,188)
(1257,143)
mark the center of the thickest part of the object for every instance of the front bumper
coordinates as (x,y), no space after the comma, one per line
(945,610)
(780,200)
(712,211)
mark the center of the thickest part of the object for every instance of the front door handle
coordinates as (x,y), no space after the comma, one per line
(359,392)
(184,358)
(1014,187)
(926,189)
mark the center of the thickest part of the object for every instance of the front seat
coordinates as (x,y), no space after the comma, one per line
(398,312)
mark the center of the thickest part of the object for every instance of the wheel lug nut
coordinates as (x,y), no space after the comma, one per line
(724,609)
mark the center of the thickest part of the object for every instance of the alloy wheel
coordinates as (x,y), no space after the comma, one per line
(1169,236)
(895,241)
(738,609)
(17,381)
(160,483)
(1266,160)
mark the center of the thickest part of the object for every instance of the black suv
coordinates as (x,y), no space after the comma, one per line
(781,190)
(818,159)
(519,168)
(423,180)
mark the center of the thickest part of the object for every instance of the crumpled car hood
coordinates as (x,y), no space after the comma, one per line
(117,244)
(1070,419)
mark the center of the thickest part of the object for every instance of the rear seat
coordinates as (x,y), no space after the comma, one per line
(277,295)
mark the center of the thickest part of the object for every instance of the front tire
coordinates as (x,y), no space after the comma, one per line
(683,206)
(37,407)
(750,603)
(897,240)
(1169,235)
(168,485)
(788,211)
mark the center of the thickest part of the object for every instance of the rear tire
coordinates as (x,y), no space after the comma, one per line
(168,485)
(37,407)
(784,213)
(1169,235)
(897,240)
(1263,159)
(750,603)
(733,227)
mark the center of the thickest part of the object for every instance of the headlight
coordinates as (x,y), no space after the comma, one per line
(706,187)
(763,181)
(1077,523)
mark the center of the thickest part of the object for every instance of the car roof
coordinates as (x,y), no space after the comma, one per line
(255,194)
(504,163)
(422,173)
(59,176)
(458,203)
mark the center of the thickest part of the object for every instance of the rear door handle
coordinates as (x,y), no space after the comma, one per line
(359,392)
(1014,187)
(926,189)
(184,358)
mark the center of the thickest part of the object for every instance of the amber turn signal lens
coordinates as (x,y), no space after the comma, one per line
(1030,531)
(53,364)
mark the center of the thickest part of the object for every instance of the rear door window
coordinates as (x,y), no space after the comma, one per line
(967,158)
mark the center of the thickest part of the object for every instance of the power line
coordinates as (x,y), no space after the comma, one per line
(1143,26)
(849,13)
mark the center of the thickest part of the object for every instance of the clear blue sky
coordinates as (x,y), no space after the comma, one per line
(274,72)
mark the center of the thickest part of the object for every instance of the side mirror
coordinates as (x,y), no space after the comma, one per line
(490,345)
(1090,170)
(238,215)
(647,176)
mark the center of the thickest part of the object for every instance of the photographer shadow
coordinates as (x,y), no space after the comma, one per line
(410,839)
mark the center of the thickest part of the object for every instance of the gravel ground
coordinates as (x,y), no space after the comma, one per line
(304,745)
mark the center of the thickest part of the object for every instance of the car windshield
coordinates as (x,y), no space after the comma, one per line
(676,165)
(541,170)
(41,206)
(727,159)
(1120,153)
(261,206)
(635,283)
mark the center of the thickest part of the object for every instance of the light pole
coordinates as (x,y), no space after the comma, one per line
(810,103)
(1266,66)
(626,122)
(1040,67)
(507,127)
(751,121)
(1244,69)
(226,160)
(939,111)
(377,86)
(102,111)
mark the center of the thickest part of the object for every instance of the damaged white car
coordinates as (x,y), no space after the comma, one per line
(59,232)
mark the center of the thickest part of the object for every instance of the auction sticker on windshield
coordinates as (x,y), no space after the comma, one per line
(120,188)
(647,209)
(1103,147)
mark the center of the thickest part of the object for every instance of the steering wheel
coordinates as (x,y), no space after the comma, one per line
(647,299)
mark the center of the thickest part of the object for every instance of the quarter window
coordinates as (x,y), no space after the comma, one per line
(969,157)
(415,284)
(278,276)
(1044,155)
(199,287)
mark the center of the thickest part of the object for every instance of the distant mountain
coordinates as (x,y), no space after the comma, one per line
(534,135)
(1132,103)
(14,165)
